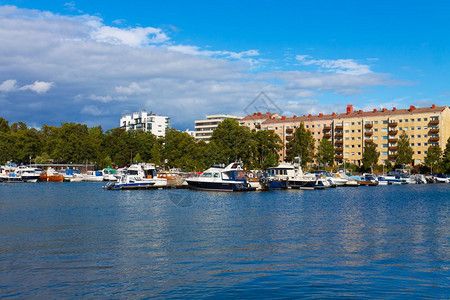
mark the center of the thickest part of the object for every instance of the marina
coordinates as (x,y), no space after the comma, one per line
(67,240)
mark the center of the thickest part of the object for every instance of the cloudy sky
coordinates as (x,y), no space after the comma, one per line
(92,61)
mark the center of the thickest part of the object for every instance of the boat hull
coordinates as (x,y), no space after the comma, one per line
(129,186)
(219,186)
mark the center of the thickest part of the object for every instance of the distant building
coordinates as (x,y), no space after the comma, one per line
(147,122)
(349,132)
(204,128)
(190,132)
(254,121)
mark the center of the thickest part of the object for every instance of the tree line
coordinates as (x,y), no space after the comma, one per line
(80,144)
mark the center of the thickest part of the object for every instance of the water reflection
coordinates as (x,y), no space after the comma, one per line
(67,240)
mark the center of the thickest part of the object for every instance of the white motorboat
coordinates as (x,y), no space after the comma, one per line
(219,178)
(28,174)
(93,176)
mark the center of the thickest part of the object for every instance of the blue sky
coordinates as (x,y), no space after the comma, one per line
(92,61)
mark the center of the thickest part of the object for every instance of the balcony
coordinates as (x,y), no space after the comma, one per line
(339,142)
(339,127)
(327,136)
(393,124)
(271,130)
(339,157)
(368,133)
(326,128)
(433,138)
(289,137)
(368,125)
(395,140)
(339,134)
(392,156)
(367,141)
(393,132)
(433,122)
(392,148)
(433,130)
(258,126)
(289,130)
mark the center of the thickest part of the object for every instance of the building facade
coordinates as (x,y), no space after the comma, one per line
(204,128)
(147,122)
(350,131)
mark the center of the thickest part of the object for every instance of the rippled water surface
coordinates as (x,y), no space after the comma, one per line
(66,240)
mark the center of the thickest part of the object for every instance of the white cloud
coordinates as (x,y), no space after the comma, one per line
(40,87)
(8,85)
(135,37)
(195,50)
(91,110)
(93,69)
(340,66)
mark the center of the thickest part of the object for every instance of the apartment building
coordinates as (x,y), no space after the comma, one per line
(204,128)
(350,131)
(147,122)
(254,121)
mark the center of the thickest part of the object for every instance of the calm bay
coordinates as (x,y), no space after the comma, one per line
(70,240)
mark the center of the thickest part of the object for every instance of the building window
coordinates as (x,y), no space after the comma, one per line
(359,130)
(406,128)
(419,136)
(375,122)
(418,119)
(347,131)
(359,123)
(384,137)
(347,146)
(346,123)
(412,136)
(412,128)
(384,130)
(418,127)
(384,153)
(353,123)
(412,144)
(425,119)
(419,144)
(385,122)
(385,145)
(375,138)
(418,152)
(406,120)
(347,138)
(353,130)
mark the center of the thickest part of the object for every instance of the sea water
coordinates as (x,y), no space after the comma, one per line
(71,240)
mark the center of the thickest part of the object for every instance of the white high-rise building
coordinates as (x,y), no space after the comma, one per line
(148,122)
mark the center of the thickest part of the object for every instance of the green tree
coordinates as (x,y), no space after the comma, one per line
(433,160)
(446,158)
(301,145)
(156,153)
(265,149)
(232,142)
(370,156)
(325,153)
(404,151)
(4,125)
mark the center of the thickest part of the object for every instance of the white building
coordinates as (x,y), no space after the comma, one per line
(204,128)
(148,122)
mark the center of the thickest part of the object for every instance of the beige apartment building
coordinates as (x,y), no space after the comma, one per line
(204,128)
(350,131)
(254,121)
